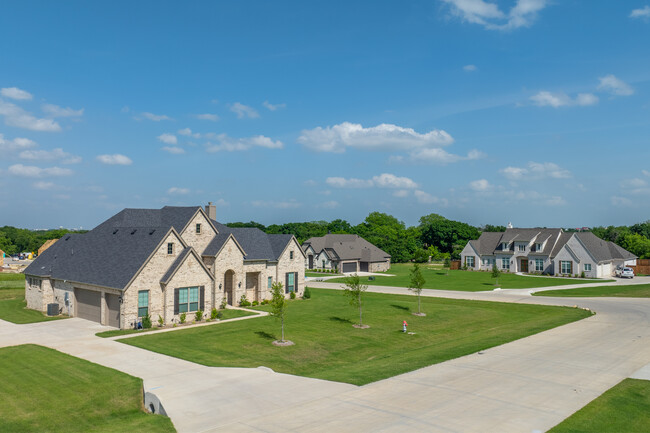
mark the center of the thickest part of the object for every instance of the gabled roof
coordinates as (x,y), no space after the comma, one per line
(168,216)
(487,243)
(256,244)
(187,251)
(347,247)
(603,250)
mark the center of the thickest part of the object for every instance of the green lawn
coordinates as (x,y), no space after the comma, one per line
(319,274)
(225,315)
(48,391)
(328,347)
(623,409)
(467,281)
(627,291)
(12,301)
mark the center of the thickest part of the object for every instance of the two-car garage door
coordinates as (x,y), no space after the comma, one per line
(89,306)
(349,267)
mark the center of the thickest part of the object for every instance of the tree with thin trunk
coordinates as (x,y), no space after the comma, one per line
(354,290)
(279,308)
(495,273)
(416,284)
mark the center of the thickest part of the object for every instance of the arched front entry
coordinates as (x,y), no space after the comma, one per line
(229,286)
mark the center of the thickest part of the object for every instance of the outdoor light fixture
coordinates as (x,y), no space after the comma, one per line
(219,286)
(239,285)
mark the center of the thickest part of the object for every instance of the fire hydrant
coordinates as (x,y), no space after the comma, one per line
(404,325)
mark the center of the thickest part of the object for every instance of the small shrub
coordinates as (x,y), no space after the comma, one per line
(219,315)
(146,322)
(213,313)
(306,294)
(198,316)
(265,301)
(582,275)
(223,304)
(243,302)
(292,295)
(183,317)
(255,303)
(161,322)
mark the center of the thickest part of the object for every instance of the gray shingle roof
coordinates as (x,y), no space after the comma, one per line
(177,263)
(603,250)
(168,216)
(347,247)
(215,244)
(256,244)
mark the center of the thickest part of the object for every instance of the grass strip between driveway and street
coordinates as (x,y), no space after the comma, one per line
(13,307)
(466,281)
(327,346)
(618,291)
(623,408)
(44,390)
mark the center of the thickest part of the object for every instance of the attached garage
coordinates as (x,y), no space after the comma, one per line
(363,266)
(349,267)
(113,310)
(89,305)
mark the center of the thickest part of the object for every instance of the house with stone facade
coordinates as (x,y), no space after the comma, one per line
(161,262)
(346,253)
(545,251)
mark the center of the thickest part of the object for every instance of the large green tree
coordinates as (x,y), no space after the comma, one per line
(447,235)
(391,235)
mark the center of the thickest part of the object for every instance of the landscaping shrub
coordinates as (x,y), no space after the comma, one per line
(198,316)
(582,274)
(213,313)
(146,322)
(161,322)
(219,314)
(306,294)
(223,304)
(255,303)
(292,295)
(243,302)
(265,301)
(183,317)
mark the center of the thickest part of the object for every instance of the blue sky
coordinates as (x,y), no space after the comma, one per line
(485,111)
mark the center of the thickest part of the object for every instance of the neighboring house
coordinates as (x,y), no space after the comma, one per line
(346,253)
(2,258)
(46,245)
(546,251)
(161,262)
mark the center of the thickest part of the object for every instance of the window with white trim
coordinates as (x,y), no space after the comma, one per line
(565,267)
(198,228)
(587,267)
(521,247)
(188,299)
(469,261)
(504,246)
(538,247)
(143,303)
(170,248)
(269,284)
(505,263)
(539,265)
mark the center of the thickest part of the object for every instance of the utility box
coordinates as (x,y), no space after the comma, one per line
(53,309)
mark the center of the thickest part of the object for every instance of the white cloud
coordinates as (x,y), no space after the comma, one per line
(155,117)
(115,159)
(555,201)
(168,138)
(290,204)
(487,14)
(55,111)
(469,68)
(229,144)
(207,116)
(45,186)
(174,150)
(8,146)
(188,133)
(34,172)
(384,180)
(45,155)
(559,99)
(425,197)
(620,201)
(332,204)
(339,137)
(634,183)
(242,111)
(480,185)
(16,116)
(441,156)
(401,193)
(645,172)
(15,93)
(643,12)
(273,107)
(615,86)
(178,191)
(536,170)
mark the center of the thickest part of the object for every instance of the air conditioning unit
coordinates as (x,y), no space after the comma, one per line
(53,309)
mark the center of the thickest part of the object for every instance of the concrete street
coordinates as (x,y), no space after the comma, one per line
(527,385)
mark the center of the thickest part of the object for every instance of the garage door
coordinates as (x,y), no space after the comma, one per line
(363,266)
(113,304)
(349,267)
(89,304)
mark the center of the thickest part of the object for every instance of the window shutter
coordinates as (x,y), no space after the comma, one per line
(286,283)
(295,282)
(175,301)
(202,299)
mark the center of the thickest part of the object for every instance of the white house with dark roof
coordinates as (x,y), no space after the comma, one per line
(546,251)
(346,253)
(161,262)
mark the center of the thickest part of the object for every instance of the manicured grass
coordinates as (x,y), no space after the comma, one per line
(225,315)
(319,274)
(467,281)
(328,347)
(627,291)
(13,307)
(48,391)
(624,408)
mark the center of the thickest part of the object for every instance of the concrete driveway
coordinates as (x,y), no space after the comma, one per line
(528,385)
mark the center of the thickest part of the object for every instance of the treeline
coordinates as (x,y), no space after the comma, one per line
(14,240)
(635,238)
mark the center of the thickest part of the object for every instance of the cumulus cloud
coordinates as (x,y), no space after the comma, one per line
(620,201)
(273,107)
(168,138)
(16,144)
(155,117)
(35,172)
(178,191)
(401,193)
(242,111)
(384,180)
(15,93)
(643,12)
(55,111)
(229,144)
(615,86)
(16,116)
(469,68)
(45,186)
(332,204)
(188,133)
(426,198)
(488,14)
(174,150)
(54,154)
(555,201)
(290,204)
(441,156)
(559,99)
(536,170)
(115,159)
(480,185)
(645,172)
(207,116)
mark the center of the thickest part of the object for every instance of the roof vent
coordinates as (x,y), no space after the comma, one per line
(67,237)
(115,231)
(134,230)
(152,232)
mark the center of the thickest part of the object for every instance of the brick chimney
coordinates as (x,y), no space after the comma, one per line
(211,210)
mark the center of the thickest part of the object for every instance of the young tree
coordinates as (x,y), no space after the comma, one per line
(278,305)
(354,290)
(495,273)
(416,284)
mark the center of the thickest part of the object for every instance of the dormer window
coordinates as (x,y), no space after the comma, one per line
(198,228)
(538,247)
(170,248)
(504,246)
(521,247)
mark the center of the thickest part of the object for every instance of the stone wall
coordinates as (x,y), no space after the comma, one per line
(198,240)
(297,264)
(190,274)
(379,266)
(230,258)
